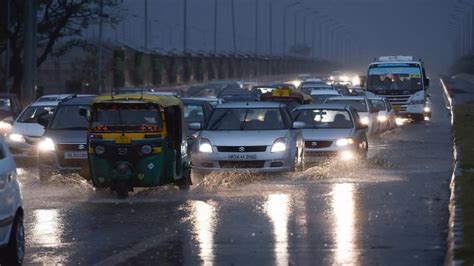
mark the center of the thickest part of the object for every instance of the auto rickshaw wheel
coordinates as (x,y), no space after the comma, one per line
(121,188)
(184,183)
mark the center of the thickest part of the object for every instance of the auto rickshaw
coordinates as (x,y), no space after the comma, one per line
(137,140)
(288,96)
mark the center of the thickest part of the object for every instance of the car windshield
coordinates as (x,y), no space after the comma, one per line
(394,78)
(193,113)
(128,117)
(359,105)
(246,119)
(67,118)
(322,118)
(320,98)
(379,104)
(30,115)
(47,99)
(5,104)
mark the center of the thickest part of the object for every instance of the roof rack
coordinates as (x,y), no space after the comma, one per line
(392,58)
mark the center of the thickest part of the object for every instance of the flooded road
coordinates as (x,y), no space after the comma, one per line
(390,210)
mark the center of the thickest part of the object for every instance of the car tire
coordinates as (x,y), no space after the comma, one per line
(184,183)
(298,165)
(417,118)
(121,189)
(15,250)
(364,151)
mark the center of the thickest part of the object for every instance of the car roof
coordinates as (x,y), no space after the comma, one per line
(48,103)
(250,105)
(206,99)
(193,101)
(86,100)
(324,92)
(348,98)
(336,106)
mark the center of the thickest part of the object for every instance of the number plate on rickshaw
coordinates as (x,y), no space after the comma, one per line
(243,157)
(75,155)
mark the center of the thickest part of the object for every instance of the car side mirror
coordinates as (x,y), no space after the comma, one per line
(298,125)
(427,83)
(195,126)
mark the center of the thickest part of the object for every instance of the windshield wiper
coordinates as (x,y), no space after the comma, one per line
(219,120)
(242,125)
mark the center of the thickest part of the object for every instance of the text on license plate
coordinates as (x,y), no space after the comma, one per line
(243,157)
(75,155)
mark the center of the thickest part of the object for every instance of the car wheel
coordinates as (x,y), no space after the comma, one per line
(184,183)
(417,118)
(15,251)
(298,165)
(364,151)
(121,188)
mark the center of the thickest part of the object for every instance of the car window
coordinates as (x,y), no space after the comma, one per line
(246,119)
(67,118)
(5,104)
(323,118)
(142,117)
(379,104)
(193,113)
(30,115)
(359,105)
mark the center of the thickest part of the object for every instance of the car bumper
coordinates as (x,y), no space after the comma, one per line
(407,109)
(22,150)
(332,152)
(264,162)
(51,161)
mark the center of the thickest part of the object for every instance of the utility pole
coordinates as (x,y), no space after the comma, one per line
(215,27)
(233,27)
(285,9)
(30,41)
(100,50)
(7,50)
(185,23)
(146,24)
(270,24)
(256,27)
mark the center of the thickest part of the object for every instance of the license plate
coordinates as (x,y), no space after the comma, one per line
(75,155)
(243,157)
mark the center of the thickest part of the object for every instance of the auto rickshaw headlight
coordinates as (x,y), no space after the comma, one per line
(99,150)
(205,146)
(147,149)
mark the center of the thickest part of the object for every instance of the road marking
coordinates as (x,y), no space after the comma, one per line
(137,249)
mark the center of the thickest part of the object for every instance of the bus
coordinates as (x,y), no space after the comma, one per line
(403,81)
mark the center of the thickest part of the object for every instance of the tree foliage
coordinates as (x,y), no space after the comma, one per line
(58,22)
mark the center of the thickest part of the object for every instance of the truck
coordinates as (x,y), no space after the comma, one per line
(403,81)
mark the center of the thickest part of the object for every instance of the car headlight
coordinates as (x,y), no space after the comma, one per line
(5,125)
(417,101)
(46,144)
(382,118)
(279,145)
(427,109)
(205,146)
(16,138)
(344,142)
(364,120)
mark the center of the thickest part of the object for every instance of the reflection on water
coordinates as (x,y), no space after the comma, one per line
(277,208)
(204,223)
(47,228)
(344,211)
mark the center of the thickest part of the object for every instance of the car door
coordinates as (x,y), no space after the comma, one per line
(359,134)
(7,192)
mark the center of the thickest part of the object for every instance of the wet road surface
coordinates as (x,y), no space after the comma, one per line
(391,210)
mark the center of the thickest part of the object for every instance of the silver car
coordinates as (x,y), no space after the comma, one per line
(332,130)
(256,136)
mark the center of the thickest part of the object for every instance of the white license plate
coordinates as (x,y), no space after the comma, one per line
(243,157)
(75,155)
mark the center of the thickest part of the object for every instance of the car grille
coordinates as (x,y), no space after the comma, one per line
(315,144)
(72,147)
(241,148)
(71,162)
(397,99)
(241,164)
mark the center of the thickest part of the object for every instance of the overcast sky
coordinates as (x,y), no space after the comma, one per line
(375,27)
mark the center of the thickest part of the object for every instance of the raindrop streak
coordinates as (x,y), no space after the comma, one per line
(344,230)
(277,208)
(204,224)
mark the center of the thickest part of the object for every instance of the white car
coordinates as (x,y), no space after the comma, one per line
(242,136)
(26,132)
(321,95)
(12,235)
(368,114)
(386,117)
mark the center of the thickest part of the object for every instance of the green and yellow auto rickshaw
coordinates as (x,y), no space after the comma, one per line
(137,140)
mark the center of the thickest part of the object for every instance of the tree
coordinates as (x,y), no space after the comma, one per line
(58,22)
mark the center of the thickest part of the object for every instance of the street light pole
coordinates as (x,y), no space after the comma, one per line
(29,43)
(285,9)
(146,23)
(185,24)
(256,27)
(270,24)
(233,26)
(7,49)
(215,27)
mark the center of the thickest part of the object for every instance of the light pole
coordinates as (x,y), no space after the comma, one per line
(270,25)
(296,24)
(185,26)
(146,23)
(285,9)
(256,27)
(7,49)
(312,13)
(233,27)
(215,27)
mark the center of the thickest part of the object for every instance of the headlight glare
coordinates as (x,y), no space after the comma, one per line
(5,125)
(46,144)
(382,118)
(344,142)
(279,145)
(364,120)
(17,138)
(205,146)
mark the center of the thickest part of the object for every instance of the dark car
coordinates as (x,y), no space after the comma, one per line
(63,147)
(211,89)
(237,95)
